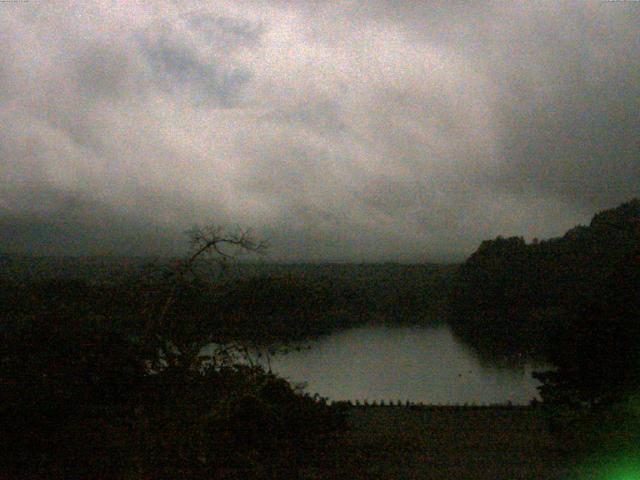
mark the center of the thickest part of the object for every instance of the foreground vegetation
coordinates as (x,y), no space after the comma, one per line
(78,402)
(90,395)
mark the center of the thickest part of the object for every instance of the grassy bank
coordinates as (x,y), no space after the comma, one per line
(449,443)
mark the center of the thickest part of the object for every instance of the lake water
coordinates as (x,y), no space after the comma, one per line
(427,365)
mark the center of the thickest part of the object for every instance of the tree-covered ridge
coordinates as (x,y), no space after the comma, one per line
(575,301)
(272,302)
(513,297)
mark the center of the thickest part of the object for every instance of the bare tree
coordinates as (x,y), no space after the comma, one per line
(209,244)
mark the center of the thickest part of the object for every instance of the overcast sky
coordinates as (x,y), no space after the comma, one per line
(377,130)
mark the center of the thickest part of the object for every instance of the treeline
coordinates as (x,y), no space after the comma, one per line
(298,304)
(511,297)
(271,303)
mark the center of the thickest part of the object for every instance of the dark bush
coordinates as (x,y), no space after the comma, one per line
(77,401)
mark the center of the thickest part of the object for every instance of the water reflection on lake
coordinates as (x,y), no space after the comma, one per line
(427,365)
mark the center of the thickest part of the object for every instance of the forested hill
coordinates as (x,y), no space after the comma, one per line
(269,300)
(511,297)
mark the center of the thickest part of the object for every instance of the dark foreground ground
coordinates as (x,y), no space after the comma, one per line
(490,443)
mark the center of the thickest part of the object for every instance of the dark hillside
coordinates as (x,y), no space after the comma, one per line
(270,302)
(511,297)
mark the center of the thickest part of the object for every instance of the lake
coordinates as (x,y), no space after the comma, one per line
(420,364)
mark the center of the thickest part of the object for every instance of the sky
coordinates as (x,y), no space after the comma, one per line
(378,130)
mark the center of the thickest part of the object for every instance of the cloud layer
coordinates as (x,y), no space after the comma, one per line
(340,131)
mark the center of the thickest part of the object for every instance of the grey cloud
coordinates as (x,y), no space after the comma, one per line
(226,32)
(77,225)
(102,72)
(363,131)
(579,145)
(178,68)
(201,61)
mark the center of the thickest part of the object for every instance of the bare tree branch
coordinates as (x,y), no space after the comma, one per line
(213,241)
